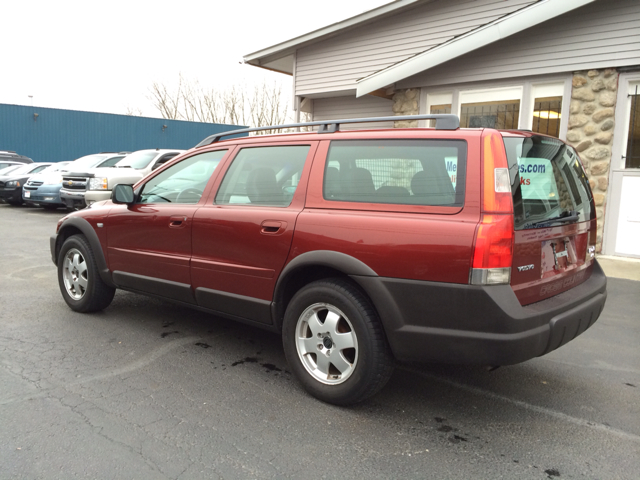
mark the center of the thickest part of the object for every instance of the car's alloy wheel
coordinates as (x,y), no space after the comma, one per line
(80,283)
(334,342)
(327,344)
(75,274)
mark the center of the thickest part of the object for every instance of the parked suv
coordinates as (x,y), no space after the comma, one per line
(361,248)
(76,178)
(100,181)
(11,156)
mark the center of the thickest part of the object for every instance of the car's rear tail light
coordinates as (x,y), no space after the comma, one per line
(493,251)
(493,244)
(496,194)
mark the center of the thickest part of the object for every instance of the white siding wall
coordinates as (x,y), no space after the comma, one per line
(338,108)
(603,34)
(335,64)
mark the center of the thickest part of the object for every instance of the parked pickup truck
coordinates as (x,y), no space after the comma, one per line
(80,189)
(76,176)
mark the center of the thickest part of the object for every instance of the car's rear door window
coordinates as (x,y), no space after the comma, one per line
(548,182)
(403,172)
(265,176)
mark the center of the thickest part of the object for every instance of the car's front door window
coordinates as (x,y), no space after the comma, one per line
(182,183)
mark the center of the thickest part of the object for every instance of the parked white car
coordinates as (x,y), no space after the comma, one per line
(100,181)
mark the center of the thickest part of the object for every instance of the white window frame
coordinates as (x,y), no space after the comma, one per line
(626,82)
(525,90)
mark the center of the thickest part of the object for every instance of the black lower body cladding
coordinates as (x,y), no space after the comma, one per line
(465,324)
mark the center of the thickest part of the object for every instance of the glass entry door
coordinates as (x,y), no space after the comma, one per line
(622,224)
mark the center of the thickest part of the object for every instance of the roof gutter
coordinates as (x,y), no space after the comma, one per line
(478,38)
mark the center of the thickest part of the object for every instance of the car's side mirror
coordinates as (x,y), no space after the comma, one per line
(122,194)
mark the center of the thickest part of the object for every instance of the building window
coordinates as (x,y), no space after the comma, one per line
(547,112)
(632,159)
(444,108)
(500,114)
(531,105)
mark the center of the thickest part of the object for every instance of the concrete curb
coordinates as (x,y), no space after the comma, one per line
(620,267)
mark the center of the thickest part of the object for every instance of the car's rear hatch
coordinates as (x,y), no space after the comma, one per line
(554,217)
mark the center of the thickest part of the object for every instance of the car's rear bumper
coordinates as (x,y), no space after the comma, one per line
(427,321)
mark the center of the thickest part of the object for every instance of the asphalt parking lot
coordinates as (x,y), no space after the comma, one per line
(148,389)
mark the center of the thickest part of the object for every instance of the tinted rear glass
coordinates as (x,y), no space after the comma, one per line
(404,172)
(547,181)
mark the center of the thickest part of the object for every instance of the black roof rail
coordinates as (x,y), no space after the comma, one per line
(443,122)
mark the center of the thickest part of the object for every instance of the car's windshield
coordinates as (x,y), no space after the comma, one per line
(56,167)
(87,161)
(547,181)
(9,169)
(138,160)
(22,169)
(4,165)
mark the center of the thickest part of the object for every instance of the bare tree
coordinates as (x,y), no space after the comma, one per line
(166,101)
(261,105)
(133,111)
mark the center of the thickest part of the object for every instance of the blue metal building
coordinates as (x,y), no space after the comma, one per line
(55,135)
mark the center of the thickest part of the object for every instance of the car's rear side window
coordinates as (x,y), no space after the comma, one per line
(403,172)
(548,181)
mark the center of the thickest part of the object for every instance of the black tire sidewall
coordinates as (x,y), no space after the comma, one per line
(340,295)
(87,302)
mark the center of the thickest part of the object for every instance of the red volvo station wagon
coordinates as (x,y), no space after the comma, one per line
(361,247)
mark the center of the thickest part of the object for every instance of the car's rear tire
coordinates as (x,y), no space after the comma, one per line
(335,344)
(79,279)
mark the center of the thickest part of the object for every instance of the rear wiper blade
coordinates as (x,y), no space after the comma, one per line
(568,216)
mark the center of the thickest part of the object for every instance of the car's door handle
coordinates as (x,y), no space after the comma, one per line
(177,221)
(272,227)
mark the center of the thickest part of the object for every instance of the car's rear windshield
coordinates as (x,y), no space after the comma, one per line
(548,182)
(402,172)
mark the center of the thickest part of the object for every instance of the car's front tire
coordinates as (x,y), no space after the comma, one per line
(79,279)
(335,344)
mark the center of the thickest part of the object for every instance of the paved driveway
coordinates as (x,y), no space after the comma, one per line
(147,389)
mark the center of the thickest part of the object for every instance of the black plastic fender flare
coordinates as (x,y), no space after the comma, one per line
(358,271)
(88,231)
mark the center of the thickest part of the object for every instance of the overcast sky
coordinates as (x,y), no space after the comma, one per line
(104,56)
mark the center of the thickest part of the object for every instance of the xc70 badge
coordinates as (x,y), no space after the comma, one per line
(525,268)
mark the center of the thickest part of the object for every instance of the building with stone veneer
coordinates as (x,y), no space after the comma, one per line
(567,68)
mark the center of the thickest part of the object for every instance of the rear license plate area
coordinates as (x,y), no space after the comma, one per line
(558,255)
